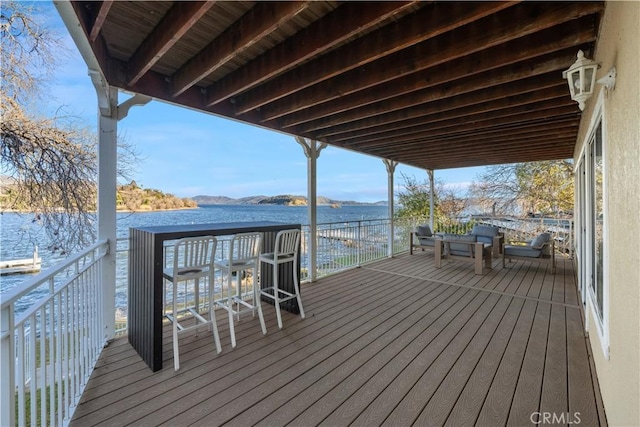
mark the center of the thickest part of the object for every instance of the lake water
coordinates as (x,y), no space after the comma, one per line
(19,234)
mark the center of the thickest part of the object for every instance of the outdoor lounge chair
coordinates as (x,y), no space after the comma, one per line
(540,249)
(421,238)
(490,235)
(463,247)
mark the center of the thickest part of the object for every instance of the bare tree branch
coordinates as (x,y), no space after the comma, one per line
(51,161)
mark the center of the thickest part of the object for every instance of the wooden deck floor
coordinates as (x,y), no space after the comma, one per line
(393,343)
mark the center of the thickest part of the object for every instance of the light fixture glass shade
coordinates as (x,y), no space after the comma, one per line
(581,77)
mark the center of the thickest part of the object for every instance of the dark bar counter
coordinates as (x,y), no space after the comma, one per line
(146,245)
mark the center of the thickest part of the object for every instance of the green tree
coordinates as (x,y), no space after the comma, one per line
(536,187)
(413,200)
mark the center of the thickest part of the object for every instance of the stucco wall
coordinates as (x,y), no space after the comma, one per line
(619,375)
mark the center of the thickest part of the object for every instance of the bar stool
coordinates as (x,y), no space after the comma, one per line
(286,249)
(244,250)
(192,260)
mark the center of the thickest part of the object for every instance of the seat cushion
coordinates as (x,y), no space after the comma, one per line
(423,230)
(540,240)
(485,230)
(460,249)
(426,241)
(522,251)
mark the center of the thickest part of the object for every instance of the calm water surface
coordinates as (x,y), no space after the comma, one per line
(19,235)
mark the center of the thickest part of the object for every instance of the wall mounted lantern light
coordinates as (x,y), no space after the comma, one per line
(581,77)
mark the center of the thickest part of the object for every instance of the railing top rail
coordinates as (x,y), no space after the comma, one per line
(348,221)
(12,295)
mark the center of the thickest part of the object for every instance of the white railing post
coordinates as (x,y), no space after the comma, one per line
(359,245)
(7,371)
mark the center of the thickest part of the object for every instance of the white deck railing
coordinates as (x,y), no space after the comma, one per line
(50,347)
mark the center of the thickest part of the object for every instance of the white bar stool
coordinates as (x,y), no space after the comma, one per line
(286,250)
(192,260)
(244,250)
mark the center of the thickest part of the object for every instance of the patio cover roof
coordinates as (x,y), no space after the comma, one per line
(430,84)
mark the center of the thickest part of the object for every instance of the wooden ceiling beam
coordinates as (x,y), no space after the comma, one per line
(522,121)
(332,29)
(463,162)
(564,128)
(464,117)
(399,70)
(441,149)
(101,17)
(173,25)
(519,50)
(431,20)
(258,22)
(558,151)
(516,101)
(441,153)
(482,88)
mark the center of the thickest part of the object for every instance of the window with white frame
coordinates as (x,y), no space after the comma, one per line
(596,208)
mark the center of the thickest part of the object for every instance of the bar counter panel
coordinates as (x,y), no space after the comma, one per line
(146,245)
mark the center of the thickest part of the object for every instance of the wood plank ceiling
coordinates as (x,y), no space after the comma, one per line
(430,84)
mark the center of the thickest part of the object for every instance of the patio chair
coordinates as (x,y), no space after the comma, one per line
(463,247)
(421,238)
(285,251)
(244,251)
(540,249)
(192,261)
(489,234)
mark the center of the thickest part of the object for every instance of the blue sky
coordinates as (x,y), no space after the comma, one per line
(187,153)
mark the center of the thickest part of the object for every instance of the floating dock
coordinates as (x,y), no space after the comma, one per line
(21,266)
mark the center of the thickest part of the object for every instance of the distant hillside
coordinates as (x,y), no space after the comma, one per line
(129,197)
(285,200)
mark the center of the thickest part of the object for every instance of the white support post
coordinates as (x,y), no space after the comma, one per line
(312,152)
(107,184)
(431,192)
(391,168)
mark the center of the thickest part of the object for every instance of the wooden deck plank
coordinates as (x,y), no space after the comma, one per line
(476,366)
(470,401)
(582,399)
(554,383)
(527,395)
(431,394)
(425,372)
(570,286)
(295,381)
(377,291)
(495,408)
(309,387)
(310,341)
(391,335)
(364,397)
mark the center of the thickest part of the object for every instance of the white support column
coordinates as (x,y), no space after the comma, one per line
(312,151)
(107,183)
(431,192)
(391,168)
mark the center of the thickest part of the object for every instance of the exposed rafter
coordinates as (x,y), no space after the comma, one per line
(101,16)
(258,22)
(171,28)
(431,84)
